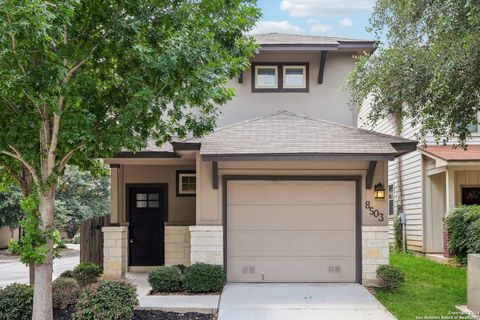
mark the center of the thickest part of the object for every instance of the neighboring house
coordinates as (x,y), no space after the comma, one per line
(7,234)
(428,183)
(282,191)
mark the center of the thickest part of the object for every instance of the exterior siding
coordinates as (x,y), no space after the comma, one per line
(411,174)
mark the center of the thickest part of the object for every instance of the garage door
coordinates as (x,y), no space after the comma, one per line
(290,231)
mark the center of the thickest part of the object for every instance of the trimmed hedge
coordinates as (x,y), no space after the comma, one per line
(390,277)
(166,279)
(65,292)
(112,300)
(463,225)
(16,302)
(204,278)
(86,273)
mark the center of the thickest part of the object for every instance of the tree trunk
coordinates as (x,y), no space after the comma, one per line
(31,273)
(42,292)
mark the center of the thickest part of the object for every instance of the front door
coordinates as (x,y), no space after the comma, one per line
(147,210)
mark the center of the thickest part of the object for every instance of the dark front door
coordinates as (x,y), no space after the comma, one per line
(471,195)
(147,209)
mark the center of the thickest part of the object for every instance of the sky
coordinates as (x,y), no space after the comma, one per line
(342,18)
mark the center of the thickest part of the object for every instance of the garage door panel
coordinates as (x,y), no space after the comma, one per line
(303,191)
(291,231)
(292,217)
(282,243)
(281,269)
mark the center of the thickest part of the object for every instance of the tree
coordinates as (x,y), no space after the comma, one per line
(81,80)
(80,196)
(428,69)
(10,211)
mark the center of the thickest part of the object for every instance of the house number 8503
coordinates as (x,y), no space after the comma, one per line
(374,212)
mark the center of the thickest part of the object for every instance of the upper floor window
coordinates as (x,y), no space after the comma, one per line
(280,77)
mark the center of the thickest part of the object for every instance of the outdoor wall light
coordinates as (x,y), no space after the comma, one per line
(379,191)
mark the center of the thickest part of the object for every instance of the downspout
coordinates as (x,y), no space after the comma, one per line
(399,191)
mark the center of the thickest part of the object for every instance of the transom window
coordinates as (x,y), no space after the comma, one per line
(186,183)
(148,200)
(280,77)
(294,77)
(266,77)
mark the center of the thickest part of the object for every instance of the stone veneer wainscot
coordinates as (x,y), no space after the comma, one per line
(206,244)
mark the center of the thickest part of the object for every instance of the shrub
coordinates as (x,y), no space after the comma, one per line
(112,300)
(86,273)
(66,274)
(16,302)
(166,279)
(463,229)
(181,267)
(397,232)
(203,278)
(65,292)
(390,277)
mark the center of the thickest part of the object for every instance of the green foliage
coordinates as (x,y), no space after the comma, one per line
(390,277)
(203,278)
(65,292)
(80,195)
(166,279)
(427,68)
(16,302)
(397,233)
(10,211)
(112,300)
(181,267)
(463,225)
(86,273)
(67,274)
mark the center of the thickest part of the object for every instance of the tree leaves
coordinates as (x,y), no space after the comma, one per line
(428,69)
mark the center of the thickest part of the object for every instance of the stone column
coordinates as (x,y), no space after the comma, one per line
(207,244)
(375,252)
(177,245)
(115,244)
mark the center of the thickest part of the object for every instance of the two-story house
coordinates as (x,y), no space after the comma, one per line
(428,183)
(287,189)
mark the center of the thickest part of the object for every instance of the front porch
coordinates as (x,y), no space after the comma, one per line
(452,178)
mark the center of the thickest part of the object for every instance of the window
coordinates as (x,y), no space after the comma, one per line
(148,200)
(390,199)
(280,77)
(294,77)
(186,183)
(266,77)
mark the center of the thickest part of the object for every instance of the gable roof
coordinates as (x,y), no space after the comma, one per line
(285,41)
(452,153)
(285,134)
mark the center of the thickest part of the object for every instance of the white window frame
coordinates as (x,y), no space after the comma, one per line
(180,184)
(257,86)
(304,85)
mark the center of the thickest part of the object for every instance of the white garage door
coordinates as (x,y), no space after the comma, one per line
(290,231)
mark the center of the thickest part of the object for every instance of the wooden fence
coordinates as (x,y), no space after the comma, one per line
(91,239)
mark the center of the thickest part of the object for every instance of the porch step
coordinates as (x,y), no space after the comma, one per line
(181,303)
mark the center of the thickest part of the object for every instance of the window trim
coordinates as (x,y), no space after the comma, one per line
(271,67)
(304,68)
(280,72)
(179,175)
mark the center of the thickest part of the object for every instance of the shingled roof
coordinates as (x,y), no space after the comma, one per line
(309,42)
(287,134)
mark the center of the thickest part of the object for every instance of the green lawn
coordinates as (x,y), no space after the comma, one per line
(430,288)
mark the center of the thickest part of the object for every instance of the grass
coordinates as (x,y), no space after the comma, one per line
(431,289)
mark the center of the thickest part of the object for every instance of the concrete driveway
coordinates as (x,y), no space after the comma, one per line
(300,301)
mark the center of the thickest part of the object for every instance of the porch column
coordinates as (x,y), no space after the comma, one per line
(449,190)
(115,242)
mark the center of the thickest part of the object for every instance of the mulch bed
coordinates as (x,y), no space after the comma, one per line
(67,314)
(162,315)
(64,314)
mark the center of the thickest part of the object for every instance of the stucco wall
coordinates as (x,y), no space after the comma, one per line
(181,210)
(209,200)
(323,101)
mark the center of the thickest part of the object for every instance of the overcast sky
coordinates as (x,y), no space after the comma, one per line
(346,18)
